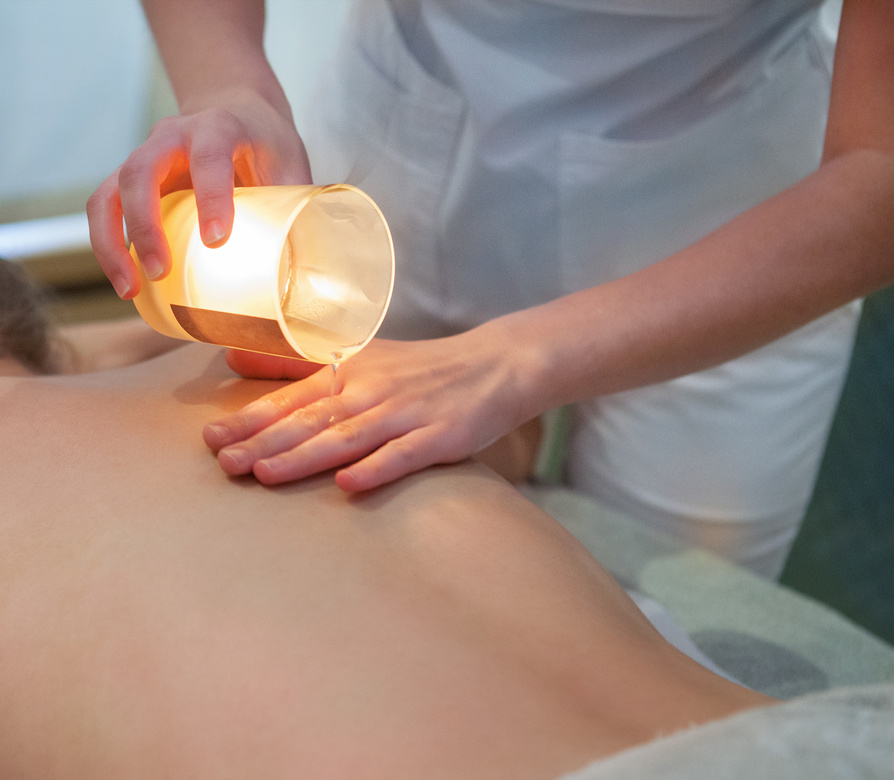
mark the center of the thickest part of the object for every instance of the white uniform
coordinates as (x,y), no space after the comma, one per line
(524,149)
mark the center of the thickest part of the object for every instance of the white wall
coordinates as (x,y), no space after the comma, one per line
(75,79)
(74,76)
(300,38)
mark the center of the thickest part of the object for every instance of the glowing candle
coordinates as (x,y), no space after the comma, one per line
(307,272)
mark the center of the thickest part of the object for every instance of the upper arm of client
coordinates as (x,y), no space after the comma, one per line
(99,346)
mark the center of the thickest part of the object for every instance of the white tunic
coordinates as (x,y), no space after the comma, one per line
(525,149)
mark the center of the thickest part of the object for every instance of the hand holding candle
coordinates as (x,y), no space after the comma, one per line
(307,272)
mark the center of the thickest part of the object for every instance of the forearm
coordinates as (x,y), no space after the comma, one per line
(405,405)
(819,244)
(212,48)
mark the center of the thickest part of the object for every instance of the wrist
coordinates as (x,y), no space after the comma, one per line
(238,98)
(516,344)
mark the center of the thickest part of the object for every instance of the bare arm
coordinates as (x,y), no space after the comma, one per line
(815,247)
(212,48)
(823,242)
(99,346)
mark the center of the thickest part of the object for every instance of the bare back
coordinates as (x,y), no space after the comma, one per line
(160,619)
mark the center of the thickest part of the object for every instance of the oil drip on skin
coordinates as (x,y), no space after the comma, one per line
(336,356)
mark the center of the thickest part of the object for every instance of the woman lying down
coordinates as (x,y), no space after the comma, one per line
(158,619)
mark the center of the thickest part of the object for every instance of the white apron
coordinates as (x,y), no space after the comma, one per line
(524,149)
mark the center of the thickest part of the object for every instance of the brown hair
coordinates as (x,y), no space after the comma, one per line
(25,331)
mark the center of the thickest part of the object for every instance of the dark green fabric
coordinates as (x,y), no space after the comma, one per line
(844,554)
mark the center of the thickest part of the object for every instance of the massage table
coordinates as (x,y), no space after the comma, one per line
(836,678)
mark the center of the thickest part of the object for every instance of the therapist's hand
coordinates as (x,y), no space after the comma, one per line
(397,408)
(244,141)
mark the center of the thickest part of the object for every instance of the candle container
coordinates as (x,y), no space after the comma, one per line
(307,273)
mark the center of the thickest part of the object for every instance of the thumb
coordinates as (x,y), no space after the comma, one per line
(255,365)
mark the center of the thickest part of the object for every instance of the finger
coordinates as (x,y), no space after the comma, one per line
(213,148)
(254,365)
(395,459)
(139,182)
(106,222)
(342,442)
(257,415)
(244,172)
(283,436)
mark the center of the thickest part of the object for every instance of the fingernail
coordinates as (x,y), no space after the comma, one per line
(121,286)
(214,232)
(152,267)
(266,470)
(234,457)
(216,432)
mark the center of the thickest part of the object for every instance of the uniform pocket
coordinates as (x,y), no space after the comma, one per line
(626,204)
